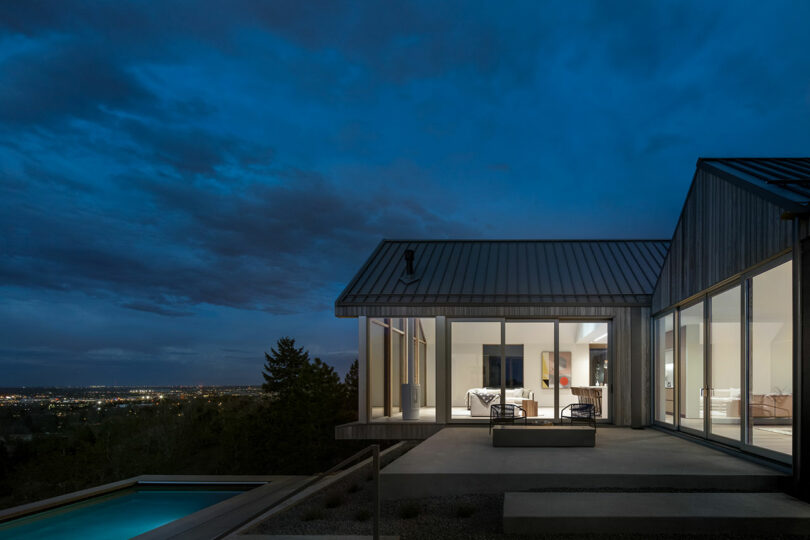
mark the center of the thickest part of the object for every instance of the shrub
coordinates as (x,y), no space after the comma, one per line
(409,510)
(334,500)
(464,511)
(362,515)
(312,514)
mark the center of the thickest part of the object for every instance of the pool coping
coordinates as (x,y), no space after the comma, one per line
(145,479)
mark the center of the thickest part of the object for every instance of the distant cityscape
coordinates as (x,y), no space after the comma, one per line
(27,413)
(106,396)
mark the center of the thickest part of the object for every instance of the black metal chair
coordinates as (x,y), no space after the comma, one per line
(579,412)
(505,414)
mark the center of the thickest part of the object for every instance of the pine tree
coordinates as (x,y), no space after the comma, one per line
(283,368)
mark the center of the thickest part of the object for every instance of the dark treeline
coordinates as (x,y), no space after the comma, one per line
(289,430)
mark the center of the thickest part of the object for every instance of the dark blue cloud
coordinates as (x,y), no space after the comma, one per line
(181,183)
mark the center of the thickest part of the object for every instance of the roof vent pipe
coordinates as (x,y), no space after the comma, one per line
(409,261)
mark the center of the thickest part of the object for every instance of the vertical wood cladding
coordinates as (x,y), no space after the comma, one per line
(723,230)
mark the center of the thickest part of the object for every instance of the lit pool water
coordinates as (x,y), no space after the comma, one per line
(121,515)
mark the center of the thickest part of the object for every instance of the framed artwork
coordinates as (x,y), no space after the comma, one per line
(547,376)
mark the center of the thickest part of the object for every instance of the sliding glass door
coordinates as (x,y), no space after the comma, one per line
(733,378)
(691,368)
(664,369)
(725,377)
(536,391)
(540,366)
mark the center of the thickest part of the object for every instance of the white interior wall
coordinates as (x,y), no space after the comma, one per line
(726,355)
(772,331)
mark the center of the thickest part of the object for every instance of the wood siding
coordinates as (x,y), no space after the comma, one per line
(723,230)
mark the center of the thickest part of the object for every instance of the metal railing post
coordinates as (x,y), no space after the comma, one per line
(375,463)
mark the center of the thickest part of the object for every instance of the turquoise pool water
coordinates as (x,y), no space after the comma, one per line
(121,515)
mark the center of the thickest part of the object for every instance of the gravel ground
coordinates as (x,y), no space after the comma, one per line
(345,508)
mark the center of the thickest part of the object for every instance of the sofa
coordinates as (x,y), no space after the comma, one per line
(765,406)
(480,407)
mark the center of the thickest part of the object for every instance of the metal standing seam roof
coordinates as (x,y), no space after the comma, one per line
(785,181)
(508,272)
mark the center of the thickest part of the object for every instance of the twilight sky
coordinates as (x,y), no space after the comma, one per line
(182,183)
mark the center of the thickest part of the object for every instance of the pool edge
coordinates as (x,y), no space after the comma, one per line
(31,508)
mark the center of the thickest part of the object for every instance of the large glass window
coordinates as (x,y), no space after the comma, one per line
(583,365)
(470,348)
(665,369)
(535,393)
(770,405)
(388,366)
(378,357)
(726,379)
(690,367)
(755,333)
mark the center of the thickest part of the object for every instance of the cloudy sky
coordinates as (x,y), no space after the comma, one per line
(182,183)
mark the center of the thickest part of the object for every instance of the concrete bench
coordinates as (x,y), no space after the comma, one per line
(654,513)
(550,436)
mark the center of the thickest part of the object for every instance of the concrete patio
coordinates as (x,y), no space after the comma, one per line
(460,460)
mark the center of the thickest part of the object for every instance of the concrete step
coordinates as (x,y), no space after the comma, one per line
(650,513)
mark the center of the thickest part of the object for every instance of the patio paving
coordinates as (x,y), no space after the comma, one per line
(460,460)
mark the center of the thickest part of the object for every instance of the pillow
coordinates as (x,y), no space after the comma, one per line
(514,392)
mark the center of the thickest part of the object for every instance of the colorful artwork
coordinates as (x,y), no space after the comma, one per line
(547,377)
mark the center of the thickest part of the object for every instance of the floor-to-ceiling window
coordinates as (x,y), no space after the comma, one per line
(388,370)
(770,394)
(528,367)
(536,393)
(725,338)
(690,367)
(583,365)
(665,369)
(378,359)
(750,332)
(472,368)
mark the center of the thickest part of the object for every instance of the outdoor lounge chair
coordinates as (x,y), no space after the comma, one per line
(579,412)
(505,414)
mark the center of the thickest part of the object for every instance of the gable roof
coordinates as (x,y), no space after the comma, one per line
(508,272)
(783,181)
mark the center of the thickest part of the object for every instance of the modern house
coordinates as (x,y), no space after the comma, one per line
(702,334)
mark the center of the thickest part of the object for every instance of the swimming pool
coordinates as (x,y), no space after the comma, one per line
(121,514)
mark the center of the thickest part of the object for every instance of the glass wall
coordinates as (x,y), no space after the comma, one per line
(583,365)
(388,365)
(726,361)
(399,355)
(690,367)
(750,331)
(664,369)
(529,376)
(471,368)
(535,393)
(378,358)
(770,397)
